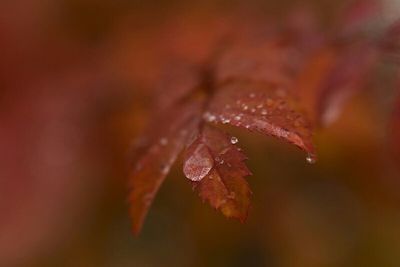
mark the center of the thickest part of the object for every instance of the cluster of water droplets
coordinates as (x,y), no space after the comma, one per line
(209,117)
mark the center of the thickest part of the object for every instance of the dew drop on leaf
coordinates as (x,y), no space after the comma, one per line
(219,160)
(226,121)
(209,117)
(310,159)
(199,164)
(234,140)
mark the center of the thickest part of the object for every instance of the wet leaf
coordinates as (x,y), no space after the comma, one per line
(262,108)
(280,82)
(221,180)
(198,163)
(178,125)
(255,91)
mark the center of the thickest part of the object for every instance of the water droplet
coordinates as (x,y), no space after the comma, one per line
(252,95)
(260,106)
(219,160)
(284,133)
(209,117)
(199,164)
(164,141)
(238,118)
(253,110)
(225,120)
(164,169)
(245,107)
(264,112)
(311,159)
(234,140)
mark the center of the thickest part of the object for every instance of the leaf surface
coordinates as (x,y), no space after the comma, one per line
(255,90)
(262,108)
(217,169)
(172,133)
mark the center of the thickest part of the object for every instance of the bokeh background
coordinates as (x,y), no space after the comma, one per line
(76,80)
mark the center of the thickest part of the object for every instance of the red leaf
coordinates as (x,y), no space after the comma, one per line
(179,79)
(256,82)
(216,167)
(250,61)
(348,76)
(172,133)
(263,108)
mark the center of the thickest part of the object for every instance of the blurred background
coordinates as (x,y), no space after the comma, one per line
(76,79)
